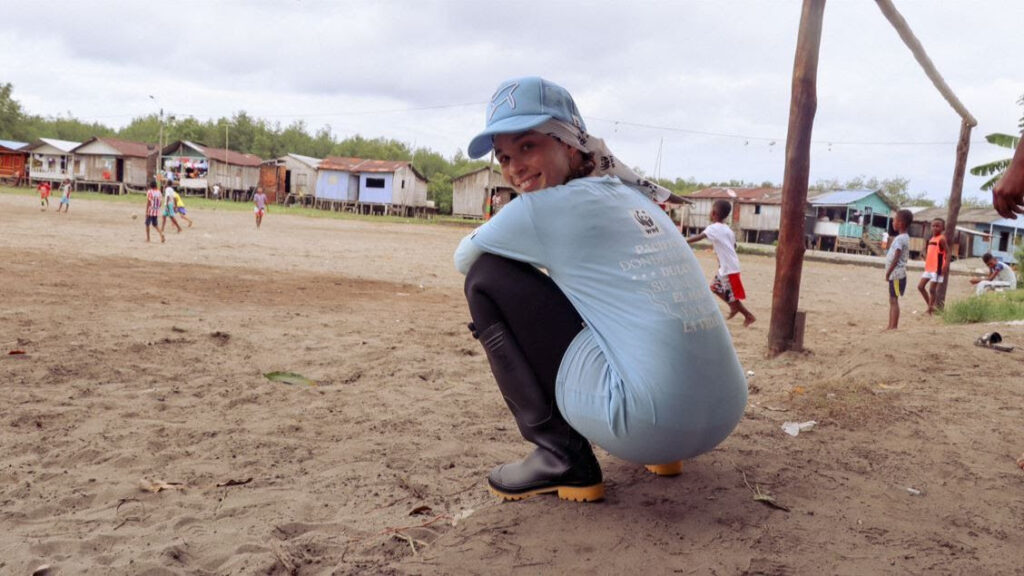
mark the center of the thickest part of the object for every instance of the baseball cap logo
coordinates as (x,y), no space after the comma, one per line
(505,94)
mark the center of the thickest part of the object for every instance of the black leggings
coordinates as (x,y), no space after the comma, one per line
(529,303)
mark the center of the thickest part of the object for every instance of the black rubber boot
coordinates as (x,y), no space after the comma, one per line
(563,461)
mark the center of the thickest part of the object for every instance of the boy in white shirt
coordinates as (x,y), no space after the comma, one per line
(727,284)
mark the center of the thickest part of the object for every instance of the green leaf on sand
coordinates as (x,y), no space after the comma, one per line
(289,378)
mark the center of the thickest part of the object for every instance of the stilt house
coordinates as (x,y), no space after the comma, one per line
(195,168)
(390,186)
(115,165)
(51,160)
(13,159)
(480,193)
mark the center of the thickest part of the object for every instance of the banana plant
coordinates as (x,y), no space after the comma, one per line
(996,169)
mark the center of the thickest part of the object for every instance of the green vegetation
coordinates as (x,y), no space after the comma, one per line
(996,169)
(991,307)
(243,133)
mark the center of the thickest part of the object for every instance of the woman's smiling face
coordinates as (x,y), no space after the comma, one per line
(532,161)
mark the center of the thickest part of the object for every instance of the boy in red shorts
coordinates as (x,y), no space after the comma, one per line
(727,284)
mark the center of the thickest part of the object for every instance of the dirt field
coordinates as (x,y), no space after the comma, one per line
(144,364)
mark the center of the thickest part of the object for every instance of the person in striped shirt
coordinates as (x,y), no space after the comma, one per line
(153,201)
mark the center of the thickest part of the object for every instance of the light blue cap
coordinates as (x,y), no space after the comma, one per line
(523,104)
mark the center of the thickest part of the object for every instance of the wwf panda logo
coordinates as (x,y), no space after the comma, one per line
(646,223)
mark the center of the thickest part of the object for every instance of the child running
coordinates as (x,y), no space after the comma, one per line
(65,196)
(896,265)
(153,200)
(260,201)
(169,210)
(727,284)
(44,195)
(936,264)
(179,207)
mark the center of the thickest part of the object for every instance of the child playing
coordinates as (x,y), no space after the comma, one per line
(179,207)
(617,341)
(727,284)
(153,199)
(936,264)
(65,196)
(44,195)
(260,201)
(896,264)
(169,210)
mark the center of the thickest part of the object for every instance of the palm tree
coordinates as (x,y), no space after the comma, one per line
(996,169)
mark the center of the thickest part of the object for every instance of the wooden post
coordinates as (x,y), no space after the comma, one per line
(968,121)
(789,256)
(962,147)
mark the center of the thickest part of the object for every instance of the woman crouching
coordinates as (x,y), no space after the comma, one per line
(591,307)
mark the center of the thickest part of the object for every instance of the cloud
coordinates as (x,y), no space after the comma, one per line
(677,76)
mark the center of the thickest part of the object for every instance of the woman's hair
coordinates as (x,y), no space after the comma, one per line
(585,167)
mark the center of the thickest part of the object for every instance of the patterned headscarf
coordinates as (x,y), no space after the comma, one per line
(605,163)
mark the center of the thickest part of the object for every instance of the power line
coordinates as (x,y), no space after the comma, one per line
(747,138)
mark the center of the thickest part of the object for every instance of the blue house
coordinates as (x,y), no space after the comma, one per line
(850,220)
(369,184)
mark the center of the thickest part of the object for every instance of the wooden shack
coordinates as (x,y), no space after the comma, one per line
(13,160)
(290,178)
(195,168)
(371,186)
(755,217)
(480,193)
(51,160)
(114,165)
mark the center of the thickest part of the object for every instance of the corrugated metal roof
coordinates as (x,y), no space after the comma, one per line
(743,195)
(840,197)
(344,164)
(125,147)
(62,145)
(218,154)
(967,216)
(471,172)
(313,163)
(361,165)
(236,158)
(12,144)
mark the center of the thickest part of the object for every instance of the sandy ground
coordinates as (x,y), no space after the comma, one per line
(144,365)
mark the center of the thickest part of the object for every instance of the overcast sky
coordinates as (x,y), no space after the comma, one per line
(707,83)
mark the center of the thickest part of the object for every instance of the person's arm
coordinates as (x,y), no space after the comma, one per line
(696,238)
(992,274)
(944,246)
(1008,193)
(895,261)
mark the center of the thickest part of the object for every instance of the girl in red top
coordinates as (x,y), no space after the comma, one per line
(936,264)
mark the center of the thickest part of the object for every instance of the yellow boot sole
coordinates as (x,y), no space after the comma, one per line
(591,493)
(670,469)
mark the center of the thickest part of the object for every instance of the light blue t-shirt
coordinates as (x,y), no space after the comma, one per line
(653,376)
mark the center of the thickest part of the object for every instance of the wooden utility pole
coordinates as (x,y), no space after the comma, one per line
(789,257)
(967,122)
(953,213)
